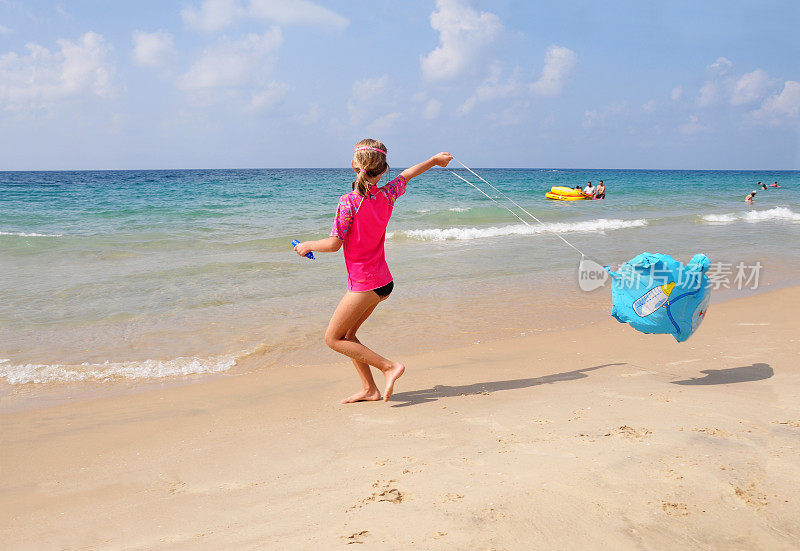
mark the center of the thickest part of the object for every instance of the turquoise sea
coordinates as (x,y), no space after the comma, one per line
(146,274)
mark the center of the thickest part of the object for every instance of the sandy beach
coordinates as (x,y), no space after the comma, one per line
(597,436)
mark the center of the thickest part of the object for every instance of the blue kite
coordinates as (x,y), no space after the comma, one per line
(655,293)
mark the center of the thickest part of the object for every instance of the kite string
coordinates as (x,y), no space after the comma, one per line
(513,202)
(492,198)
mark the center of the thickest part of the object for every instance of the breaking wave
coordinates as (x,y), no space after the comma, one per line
(17,374)
(753,216)
(24,234)
(441,234)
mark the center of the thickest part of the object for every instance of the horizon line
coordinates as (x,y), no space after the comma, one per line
(434,168)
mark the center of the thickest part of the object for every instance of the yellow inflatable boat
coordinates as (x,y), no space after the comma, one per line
(561,193)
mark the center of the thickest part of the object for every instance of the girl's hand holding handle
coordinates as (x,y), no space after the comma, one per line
(303,248)
(442,159)
(437,160)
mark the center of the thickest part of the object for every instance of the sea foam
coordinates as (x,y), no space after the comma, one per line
(17,374)
(599,225)
(774,214)
(23,234)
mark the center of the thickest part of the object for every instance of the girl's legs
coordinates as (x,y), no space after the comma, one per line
(369,391)
(353,310)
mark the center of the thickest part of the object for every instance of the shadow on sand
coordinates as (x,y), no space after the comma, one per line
(755,372)
(415,397)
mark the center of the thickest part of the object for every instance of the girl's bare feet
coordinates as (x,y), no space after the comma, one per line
(392,374)
(370,395)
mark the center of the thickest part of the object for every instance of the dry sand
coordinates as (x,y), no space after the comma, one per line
(589,438)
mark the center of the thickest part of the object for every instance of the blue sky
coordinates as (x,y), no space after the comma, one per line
(295,83)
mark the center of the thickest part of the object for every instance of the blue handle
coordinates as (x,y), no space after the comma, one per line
(309,254)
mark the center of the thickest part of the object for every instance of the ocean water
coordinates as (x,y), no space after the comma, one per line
(114,275)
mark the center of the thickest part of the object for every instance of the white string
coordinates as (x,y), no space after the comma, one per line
(513,202)
(492,198)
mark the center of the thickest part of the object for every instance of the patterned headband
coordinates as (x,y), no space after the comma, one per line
(371,149)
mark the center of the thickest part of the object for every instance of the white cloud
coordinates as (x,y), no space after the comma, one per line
(693,126)
(724,84)
(152,49)
(590,118)
(650,106)
(721,66)
(215,15)
(750,87)
(558,65)
(366,96)
(593,117)
(5,30)
(493,88)
(433,109)
(313,115)
(708,94)
(384,123)
(677,93)
(780,107)
(296,11)
(465,39)
(39,78)
(267,98)
(233,63)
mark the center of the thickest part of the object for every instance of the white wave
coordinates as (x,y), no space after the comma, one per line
(720,218)
(599,225)
(459,209)
(753,216)
(777,213)
(23,234)
(17,374)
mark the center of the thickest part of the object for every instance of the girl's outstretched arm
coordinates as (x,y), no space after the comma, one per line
(437,160)
(327,245)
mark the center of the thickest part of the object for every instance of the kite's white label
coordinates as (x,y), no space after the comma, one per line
(653,299)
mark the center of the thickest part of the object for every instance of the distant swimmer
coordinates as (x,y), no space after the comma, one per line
(774,185)
(764,186)
(600,191)
(750,198)
(589,190)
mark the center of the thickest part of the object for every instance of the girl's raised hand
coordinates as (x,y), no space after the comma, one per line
(442,159)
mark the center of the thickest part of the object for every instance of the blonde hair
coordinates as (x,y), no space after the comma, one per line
(369,164)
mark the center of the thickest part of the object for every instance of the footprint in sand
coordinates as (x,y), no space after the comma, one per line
(383,490)
(675,509)
(713,431)
(629,432)
(177,487)
(751,495)
(791,423)
(453,497)
(358,537)
(411,465)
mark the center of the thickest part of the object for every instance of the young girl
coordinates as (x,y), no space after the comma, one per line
(360,225)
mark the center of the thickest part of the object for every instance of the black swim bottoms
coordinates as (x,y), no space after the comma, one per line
(385,291)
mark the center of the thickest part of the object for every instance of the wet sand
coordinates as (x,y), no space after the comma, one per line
(588,437)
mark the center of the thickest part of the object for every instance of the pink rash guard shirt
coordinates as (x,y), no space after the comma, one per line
(361,225)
